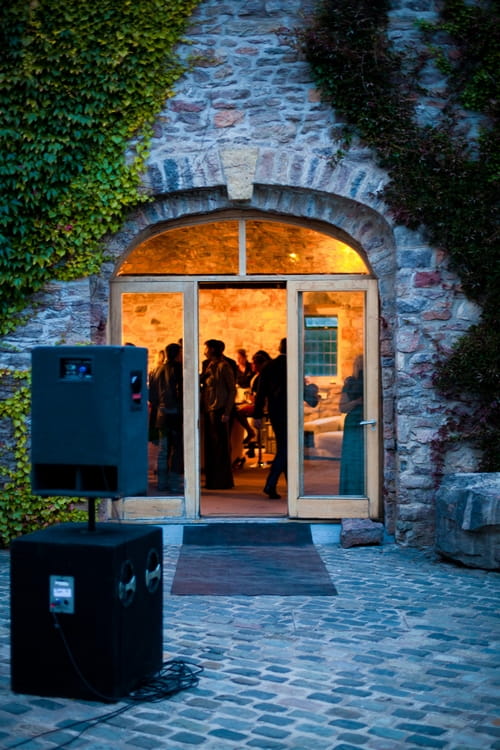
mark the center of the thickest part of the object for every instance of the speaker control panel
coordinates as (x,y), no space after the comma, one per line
(62,594)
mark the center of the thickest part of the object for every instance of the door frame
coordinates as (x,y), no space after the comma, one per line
(299,506)
(190,362)
(334,507)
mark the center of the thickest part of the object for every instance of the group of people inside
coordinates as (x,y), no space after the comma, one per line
(262,380)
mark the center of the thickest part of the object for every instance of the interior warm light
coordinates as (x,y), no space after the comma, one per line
(209,248)
(276,247)
(213,248)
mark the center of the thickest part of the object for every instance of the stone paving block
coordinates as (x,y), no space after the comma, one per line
(270,707)
(347,724)
(266,744)
(226,734)
(388,733)
(356,739)
(425,741)
(187,738)
(271,732)
(279,721)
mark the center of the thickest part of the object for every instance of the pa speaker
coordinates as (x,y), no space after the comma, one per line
(89,421)
(86,610)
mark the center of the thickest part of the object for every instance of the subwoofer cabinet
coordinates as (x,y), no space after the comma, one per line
(103,588)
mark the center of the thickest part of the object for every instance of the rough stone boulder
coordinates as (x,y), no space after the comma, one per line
(468,519)
(359,532)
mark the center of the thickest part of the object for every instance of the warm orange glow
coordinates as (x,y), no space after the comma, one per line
(274,247)
(271,248)
(210,248)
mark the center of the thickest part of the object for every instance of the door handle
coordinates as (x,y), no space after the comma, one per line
(371,422)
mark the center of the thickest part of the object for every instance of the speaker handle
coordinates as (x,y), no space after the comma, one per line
(127,584)
(153,578)
(153,571)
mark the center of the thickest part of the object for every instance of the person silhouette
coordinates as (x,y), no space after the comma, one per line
(218,397)
(272,390)
(169,422)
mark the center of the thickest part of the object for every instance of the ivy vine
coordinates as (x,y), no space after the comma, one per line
(80,84)
(23,512)
(441,180)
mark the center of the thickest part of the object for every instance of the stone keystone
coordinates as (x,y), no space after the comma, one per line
(239,170)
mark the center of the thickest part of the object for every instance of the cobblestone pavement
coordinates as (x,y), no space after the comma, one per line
(405,656)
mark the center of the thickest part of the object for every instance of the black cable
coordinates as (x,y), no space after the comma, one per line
(175,675)
(87,724)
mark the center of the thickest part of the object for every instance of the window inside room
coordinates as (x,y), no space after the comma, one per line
(320,345)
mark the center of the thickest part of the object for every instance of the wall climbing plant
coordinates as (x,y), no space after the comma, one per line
(80,85)
(23,512)
(440,179)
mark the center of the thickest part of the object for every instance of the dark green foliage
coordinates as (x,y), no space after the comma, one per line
(20,511)
(78,81)
(439,180)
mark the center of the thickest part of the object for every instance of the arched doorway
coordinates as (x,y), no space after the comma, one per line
(250,280)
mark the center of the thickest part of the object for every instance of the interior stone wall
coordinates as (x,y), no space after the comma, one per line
(244,319)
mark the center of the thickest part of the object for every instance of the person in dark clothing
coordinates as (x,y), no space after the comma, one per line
(153,436)
(169,422)
(272,389)
(218,396)
(245,410)
(244,373)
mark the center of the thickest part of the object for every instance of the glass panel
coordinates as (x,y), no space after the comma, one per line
(273,247)
(209,248)
(155,321)
(333,354)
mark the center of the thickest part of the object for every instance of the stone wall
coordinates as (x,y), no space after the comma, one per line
(246,129)
(155,320)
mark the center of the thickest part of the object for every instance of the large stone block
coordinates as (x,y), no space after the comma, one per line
(468,519)
(358,532)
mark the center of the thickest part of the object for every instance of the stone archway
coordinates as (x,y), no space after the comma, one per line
(363,227)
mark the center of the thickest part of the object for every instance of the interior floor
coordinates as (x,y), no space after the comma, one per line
(247,499)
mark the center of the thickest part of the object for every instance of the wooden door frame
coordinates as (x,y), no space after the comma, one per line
(333,507)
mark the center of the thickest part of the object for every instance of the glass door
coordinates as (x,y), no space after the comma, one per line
(333,399)
(162,317)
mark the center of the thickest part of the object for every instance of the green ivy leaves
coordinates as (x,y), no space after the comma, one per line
(20,511)
(78,82)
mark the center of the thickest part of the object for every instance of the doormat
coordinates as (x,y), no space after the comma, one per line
(250,560)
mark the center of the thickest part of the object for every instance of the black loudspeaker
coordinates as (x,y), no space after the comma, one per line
(89,421)
(104,589)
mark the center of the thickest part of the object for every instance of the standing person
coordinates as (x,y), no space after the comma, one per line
(153,396)
(272,388)
(218,396)
(352,463)
(246,409)
(169,422)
